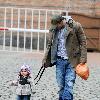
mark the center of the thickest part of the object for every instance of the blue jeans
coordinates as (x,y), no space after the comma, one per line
(65,76)
(23,97)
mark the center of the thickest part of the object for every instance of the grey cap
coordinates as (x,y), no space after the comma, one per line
(56,19)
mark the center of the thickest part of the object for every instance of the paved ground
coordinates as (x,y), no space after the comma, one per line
(47,87)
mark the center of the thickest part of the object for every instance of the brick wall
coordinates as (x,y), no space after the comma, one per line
(89,7)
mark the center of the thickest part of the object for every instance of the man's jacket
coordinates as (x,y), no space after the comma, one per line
(75,43)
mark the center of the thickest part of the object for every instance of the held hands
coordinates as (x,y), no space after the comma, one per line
(13,83)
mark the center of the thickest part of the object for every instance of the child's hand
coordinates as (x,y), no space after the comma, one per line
(9,83)
(13,83)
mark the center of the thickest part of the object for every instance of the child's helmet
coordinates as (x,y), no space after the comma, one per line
(26,67)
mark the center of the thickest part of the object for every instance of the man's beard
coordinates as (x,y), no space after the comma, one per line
(61,27)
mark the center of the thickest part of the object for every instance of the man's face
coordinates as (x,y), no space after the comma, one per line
(61,24)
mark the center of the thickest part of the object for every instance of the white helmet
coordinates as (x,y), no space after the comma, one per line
(26,67)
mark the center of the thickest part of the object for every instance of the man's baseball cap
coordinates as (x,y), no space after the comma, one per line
(55,20)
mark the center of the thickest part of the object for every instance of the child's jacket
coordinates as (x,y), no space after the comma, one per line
(25,85)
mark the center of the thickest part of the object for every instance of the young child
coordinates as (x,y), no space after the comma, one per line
(24,83)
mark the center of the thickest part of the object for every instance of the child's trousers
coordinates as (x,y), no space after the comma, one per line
(23,97)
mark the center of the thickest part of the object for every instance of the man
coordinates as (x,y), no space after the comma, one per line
(66,48)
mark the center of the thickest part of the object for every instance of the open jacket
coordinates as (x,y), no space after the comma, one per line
(25,89)
(75,43)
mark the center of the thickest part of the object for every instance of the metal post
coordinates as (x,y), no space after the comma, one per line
(99,39)
(25,28)
(11,30)
(31,32)
(18,29)
(4,30)
(53,12)
(45,32)
(38,32)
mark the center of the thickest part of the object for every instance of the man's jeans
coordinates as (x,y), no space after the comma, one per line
(65,76)
(23,97)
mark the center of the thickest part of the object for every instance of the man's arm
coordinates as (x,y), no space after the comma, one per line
(48,47)
(83,43)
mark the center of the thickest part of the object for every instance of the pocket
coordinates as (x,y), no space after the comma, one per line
(77,52)
(18,90)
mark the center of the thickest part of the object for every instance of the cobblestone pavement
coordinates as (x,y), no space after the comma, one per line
(47,86)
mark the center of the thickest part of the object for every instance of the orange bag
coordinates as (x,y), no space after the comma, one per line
(83,71)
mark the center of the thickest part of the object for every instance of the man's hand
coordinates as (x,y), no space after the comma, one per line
(82,70)
(47,64)
(44,65)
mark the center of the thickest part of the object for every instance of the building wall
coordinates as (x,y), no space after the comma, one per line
(87,12)
(91,26)
(91,7)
